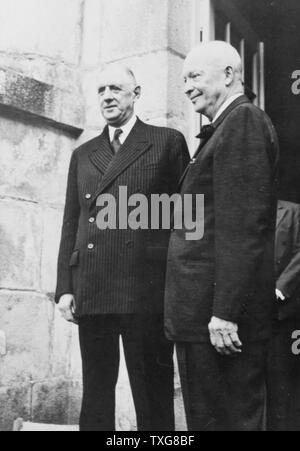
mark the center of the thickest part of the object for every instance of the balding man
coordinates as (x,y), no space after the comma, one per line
(220,289)
(111,274)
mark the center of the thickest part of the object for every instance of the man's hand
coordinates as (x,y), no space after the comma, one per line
(280,296)
(66,307)
(224,336)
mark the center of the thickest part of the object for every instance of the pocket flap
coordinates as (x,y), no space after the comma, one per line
(151,166)
(74,260)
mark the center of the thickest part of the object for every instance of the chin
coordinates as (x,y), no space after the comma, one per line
(199,110)
(111,119)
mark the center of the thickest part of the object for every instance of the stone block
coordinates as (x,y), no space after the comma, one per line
(20,245)
(26,319)
(15,403)
(74,402)
(90,94)
(50,401)
(178,104)
(45,70)
(180,25)
(23,144)
(61,346)
(27,426)
(29,97)
(51,28)
(2,343)
(75,370)
(152,74)
(92,26)
(133,27)
(52,222)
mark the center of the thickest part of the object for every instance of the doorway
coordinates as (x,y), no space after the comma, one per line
(267,34)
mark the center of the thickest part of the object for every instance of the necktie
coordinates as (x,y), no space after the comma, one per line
(206,132)
(116,143)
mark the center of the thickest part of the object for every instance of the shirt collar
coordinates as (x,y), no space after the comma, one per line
(126,129)
(226,104)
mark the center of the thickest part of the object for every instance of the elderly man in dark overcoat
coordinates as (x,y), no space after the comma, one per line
(220,289)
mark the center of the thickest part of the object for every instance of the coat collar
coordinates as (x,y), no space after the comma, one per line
(239,101)
(133,148)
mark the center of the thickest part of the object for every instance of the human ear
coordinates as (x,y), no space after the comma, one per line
(229,75)
(137,92)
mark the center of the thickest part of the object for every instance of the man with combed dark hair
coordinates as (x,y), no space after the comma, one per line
(112,281)
(220,290)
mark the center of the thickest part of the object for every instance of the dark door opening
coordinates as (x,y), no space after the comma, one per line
(277,24)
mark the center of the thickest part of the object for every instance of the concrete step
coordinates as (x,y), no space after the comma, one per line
(26,426)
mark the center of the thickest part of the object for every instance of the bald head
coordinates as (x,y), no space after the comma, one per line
(118,92)
(218,55)
(212,73)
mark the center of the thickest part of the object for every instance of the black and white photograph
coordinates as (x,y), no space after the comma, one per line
(149,218)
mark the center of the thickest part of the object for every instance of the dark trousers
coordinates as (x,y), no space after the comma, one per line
(283,407)
(223,393)
(149,360)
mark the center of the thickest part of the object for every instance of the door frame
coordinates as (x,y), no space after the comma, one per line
(203,30)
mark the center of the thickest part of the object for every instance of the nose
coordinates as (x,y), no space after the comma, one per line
(188,87)
(107,94)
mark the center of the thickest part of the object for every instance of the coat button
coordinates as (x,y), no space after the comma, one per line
(92,220)
(91,246)
(88,196)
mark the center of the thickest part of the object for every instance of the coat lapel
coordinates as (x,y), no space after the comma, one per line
(281,211)
(201,145)
(239,101)
(133,148)
(101,155)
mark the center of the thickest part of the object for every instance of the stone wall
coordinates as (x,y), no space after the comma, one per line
(50,54)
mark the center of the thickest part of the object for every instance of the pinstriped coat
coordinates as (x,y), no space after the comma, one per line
(117,271)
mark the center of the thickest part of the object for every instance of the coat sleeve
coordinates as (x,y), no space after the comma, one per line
(244,193)
(69,232)
(289,280)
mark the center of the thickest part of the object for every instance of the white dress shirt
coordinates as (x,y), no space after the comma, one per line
(126,129)
(226,104)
